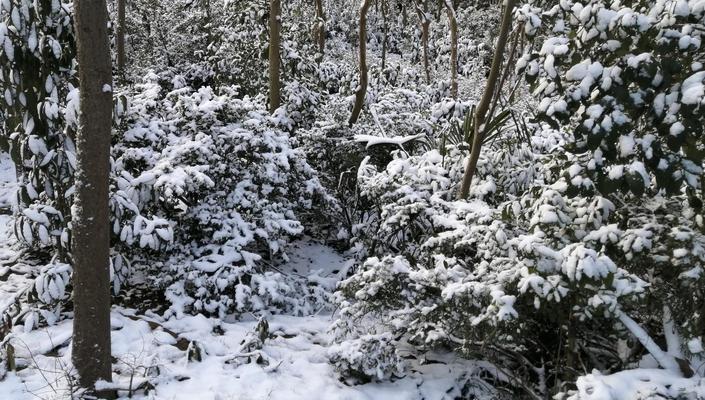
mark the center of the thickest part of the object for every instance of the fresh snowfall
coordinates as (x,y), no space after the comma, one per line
(352,199)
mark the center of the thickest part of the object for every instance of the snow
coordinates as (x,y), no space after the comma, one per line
(693,88)
(676,129)
(7,183)
(626,145)
(296,353)
(377,140)
(585,68)
(635,384)
(695,345)
(215,199)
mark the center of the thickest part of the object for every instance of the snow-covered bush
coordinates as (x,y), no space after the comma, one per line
(530,268)
(370,357)
(196,171)
(301,104)
(40,120)
(37,69)
(628,79)
(228,183)
(556,253)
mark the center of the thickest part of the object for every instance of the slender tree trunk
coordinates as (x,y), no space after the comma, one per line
(453,21)
(508,68)
(274,60)
(404,16)
(386,34)
(404,20)
(121,37)
(320,27)
(426,27)
(425,22)
(91,220)
(482,108)
(362,88)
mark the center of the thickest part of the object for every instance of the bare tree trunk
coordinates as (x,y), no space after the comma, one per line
(362,88)
(121,37)
(274,60)
(404,19)
(386,34)
(425,22)
(481,116)
(320,27)
(453,21)
(91,219)
(404,16)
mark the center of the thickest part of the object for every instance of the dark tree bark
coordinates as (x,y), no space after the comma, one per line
(481,115)
(320,27)
(121,37)
(425,22)
(91,220)
(364,79)
(386,34)
(452,20)
(274,60)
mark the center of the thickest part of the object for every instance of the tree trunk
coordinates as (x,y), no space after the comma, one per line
(91,219)
(404,17)
(274,60)
(453,21)
(320,27)
(386,34)
(482,108)
(362,88)
(425,22)
(121,37)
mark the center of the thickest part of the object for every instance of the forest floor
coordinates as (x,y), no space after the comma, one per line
(151,355)
(292,363)
(152,358)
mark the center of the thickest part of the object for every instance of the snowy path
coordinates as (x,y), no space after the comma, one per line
(145,351)
(296,350)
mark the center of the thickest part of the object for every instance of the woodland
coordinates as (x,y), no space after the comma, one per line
(352,199)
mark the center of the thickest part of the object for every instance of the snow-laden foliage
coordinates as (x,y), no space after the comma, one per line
(549,268)
(628,79)
(579,253)
(40,120)
(227,186)
(38,73)
(529,269)
(511,269)
(210,176)
(367,357)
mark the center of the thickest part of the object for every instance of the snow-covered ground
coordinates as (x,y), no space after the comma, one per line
(296,366)
(153,358)
(151,354)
